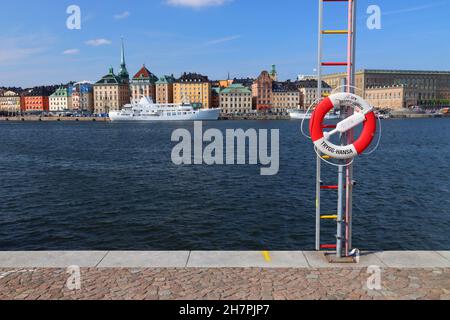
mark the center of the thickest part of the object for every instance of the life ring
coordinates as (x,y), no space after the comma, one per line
(363,114)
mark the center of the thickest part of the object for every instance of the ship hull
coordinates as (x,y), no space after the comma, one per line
(200,115)
(295,115)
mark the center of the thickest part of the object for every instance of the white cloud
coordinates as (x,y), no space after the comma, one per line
(122,15)
(21,49)
(412,9)
(222,40)
(98,42)
(71,51)
(196,3)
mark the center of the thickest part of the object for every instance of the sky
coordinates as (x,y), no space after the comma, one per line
(212,37)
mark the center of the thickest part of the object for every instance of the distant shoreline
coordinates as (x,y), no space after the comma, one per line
(250,117)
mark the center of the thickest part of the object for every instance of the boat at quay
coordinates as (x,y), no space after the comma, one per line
(298,114)
(146,110)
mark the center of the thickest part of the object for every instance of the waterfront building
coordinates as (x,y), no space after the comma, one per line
(60,100)
(392,97)
(10,102)
(285,96)
(83,97)
(143,84)
(193,88)
(112,91)
(215,96)
(164,89)
(36,100)
(236,98)
(221,83)
(262,91)
(430,86)
(308,90)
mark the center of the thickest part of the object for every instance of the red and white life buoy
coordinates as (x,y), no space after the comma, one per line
(363,113)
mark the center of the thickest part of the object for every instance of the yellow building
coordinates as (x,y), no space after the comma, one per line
(392,97)
(193,88)
(164,89)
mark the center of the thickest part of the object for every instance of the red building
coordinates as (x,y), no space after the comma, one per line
(262,91)
(36,100)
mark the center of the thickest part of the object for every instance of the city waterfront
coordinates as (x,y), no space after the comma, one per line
(106,186)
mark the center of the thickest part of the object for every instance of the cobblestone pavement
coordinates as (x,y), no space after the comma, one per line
(224,284)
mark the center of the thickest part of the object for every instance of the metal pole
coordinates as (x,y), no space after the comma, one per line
(319,96)
(350,134)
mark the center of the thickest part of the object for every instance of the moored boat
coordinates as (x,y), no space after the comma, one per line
(146,110)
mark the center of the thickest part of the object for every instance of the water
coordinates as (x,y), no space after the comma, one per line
(99,186)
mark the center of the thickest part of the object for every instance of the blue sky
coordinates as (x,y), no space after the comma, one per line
(212,37)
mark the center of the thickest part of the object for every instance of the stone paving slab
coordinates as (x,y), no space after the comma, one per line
(247,259)
(413,259)
(216,259)
(143,259)
(50,259)
(445,254)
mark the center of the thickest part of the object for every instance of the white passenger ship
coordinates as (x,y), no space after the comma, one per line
(298,114)
(147,110)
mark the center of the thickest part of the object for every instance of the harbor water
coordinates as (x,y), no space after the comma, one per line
(113,186)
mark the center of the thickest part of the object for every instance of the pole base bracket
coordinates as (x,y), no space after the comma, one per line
(331,258)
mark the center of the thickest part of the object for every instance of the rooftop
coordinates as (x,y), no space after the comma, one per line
(145,74)
(166,80)
(193,77)
(110,78)
(236,87)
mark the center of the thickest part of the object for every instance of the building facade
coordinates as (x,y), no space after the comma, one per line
(36,100)
(285,96)
(10,102)
(429,86)
(235,99)
(112,91)
(143,84)
(215,97)
(193,88)
(308,91)
(392,97)
(60,100)
(83,97)
(164,89)
(262,91)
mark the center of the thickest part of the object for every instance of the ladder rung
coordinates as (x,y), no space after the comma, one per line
(329,187)
(330,217)
(334,64)
(328,246)
(334,31)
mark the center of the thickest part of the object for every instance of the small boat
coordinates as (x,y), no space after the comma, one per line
(146,110)
(298,114)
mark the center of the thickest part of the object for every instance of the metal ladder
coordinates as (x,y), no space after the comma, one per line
(344,187)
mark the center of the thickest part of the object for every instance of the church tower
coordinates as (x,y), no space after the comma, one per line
(274,73)
(123,73)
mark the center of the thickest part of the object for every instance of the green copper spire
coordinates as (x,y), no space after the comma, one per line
(123,66)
